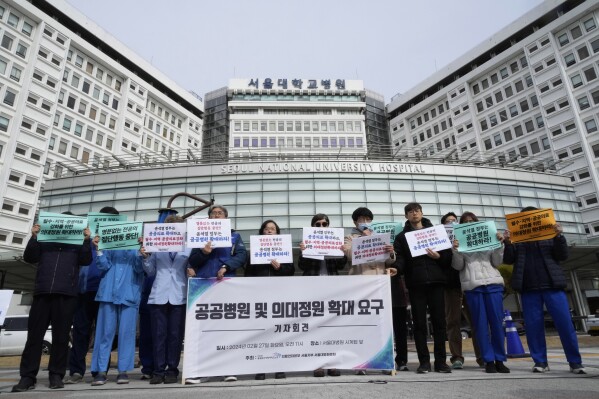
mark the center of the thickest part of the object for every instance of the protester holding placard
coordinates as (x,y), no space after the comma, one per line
(219,262)
(54,302)
(541,281)
(87,309)
(362,218)
(274,268)
(321,266)
(167,308)
(119,295)
(425,277)
(483,287)
(453,304)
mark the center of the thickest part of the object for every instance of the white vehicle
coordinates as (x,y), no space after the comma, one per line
(13,335)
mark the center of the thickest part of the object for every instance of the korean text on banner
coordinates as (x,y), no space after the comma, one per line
(94,218)
(261,325)
(325,241)
(391,228)
(119,235)
(200,231)
(477,236)
(164,237)
(369,248)
(265,248)
(56,227)
(434,238)
(531,226)
(449,230)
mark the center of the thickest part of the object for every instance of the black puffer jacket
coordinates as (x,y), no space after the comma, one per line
(58,265)
(536,264)
(311,267)
(266,270)
(421,270)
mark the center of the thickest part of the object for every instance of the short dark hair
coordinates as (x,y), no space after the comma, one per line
(361,211)
(261,231)
(412,206)
(529,208)
(448,214)
(318,217)
(109,209)
(466,215)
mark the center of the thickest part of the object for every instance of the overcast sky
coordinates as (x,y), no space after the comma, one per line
(392,45)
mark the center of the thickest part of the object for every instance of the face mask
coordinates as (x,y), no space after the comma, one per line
(364,226)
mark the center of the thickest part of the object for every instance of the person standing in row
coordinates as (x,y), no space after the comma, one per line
(483,286)
(541,281)
(273,269)
(167,308)
(119,295)
(211,262)
(321,267)
(425,277)
(54,303)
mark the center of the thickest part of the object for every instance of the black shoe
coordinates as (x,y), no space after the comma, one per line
(260,376)
(280,375)
(490,368)
(319,373)
(24,385)
(402,367)
(157,379)
(423,368)
(171,379)
(442,368)
(55,381)
(501,368)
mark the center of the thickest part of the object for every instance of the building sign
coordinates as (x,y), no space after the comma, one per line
(296,83)
(341,167)
(256,325)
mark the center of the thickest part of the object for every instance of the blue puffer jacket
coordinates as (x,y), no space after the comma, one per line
(58,265)
(539,261)
(207,266)
(123,277)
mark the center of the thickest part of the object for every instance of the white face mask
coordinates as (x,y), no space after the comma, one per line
(364,226)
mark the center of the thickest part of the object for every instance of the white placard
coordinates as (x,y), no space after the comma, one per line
(369,248)
(5,297)
(434,238)
(326,241)
(164,237)
(263,325)
(265,248)
(449,231)
(200,231)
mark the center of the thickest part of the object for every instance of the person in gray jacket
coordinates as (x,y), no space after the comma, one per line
(483,287)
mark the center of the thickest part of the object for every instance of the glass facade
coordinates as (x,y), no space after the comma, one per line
(291,193)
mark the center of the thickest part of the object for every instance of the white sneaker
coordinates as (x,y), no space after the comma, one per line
(230,378)
(193,381)
(540,368)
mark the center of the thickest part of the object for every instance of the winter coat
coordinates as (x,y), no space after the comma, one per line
(536,264)
(311,267)
(420,270)
(207,266)
(478,268)
(58,265)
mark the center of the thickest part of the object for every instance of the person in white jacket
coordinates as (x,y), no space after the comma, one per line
(483,287)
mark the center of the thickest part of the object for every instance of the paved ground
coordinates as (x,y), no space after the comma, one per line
(471,382)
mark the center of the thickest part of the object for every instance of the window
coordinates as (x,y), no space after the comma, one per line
(534,147)
(595,45)
(488,144)
(534,101)
(21,50)
(513,110)
(66,124)
(576,80)
(483,125)
(494,79)
(13,20)
(476,89)
(74,152)
(509,92)
(479,106)
(498,97)
(504,73)
(583,103)
(9,98)
(71,102)
(591,126)
(15,74)
(576,32)
(497,139)
(584,174)
(519,86)
(590,74)
(78,129)
(569,59)
(589,24)
(545,142)
(3,124)
(524,105)
(7,42)
(576,150)
(583,52)
(62,147)
(523,151)
(563,39)
(507,135)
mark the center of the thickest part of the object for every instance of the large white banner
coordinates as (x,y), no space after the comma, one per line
(263,324)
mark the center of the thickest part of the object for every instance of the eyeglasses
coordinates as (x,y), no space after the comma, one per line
(217,213)
(321,224)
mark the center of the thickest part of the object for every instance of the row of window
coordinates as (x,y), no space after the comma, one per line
(576,31)
(92,68)
(434,111)
(165,113)
(581,53)
(97,93)
(435,129)
(506,136)
(510,111)
(297,126)
(163,130)
(14,68)
(581,175)
(16,21)
(47,55)
(8,43)
(298,142)
(488,81)
(503,94)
